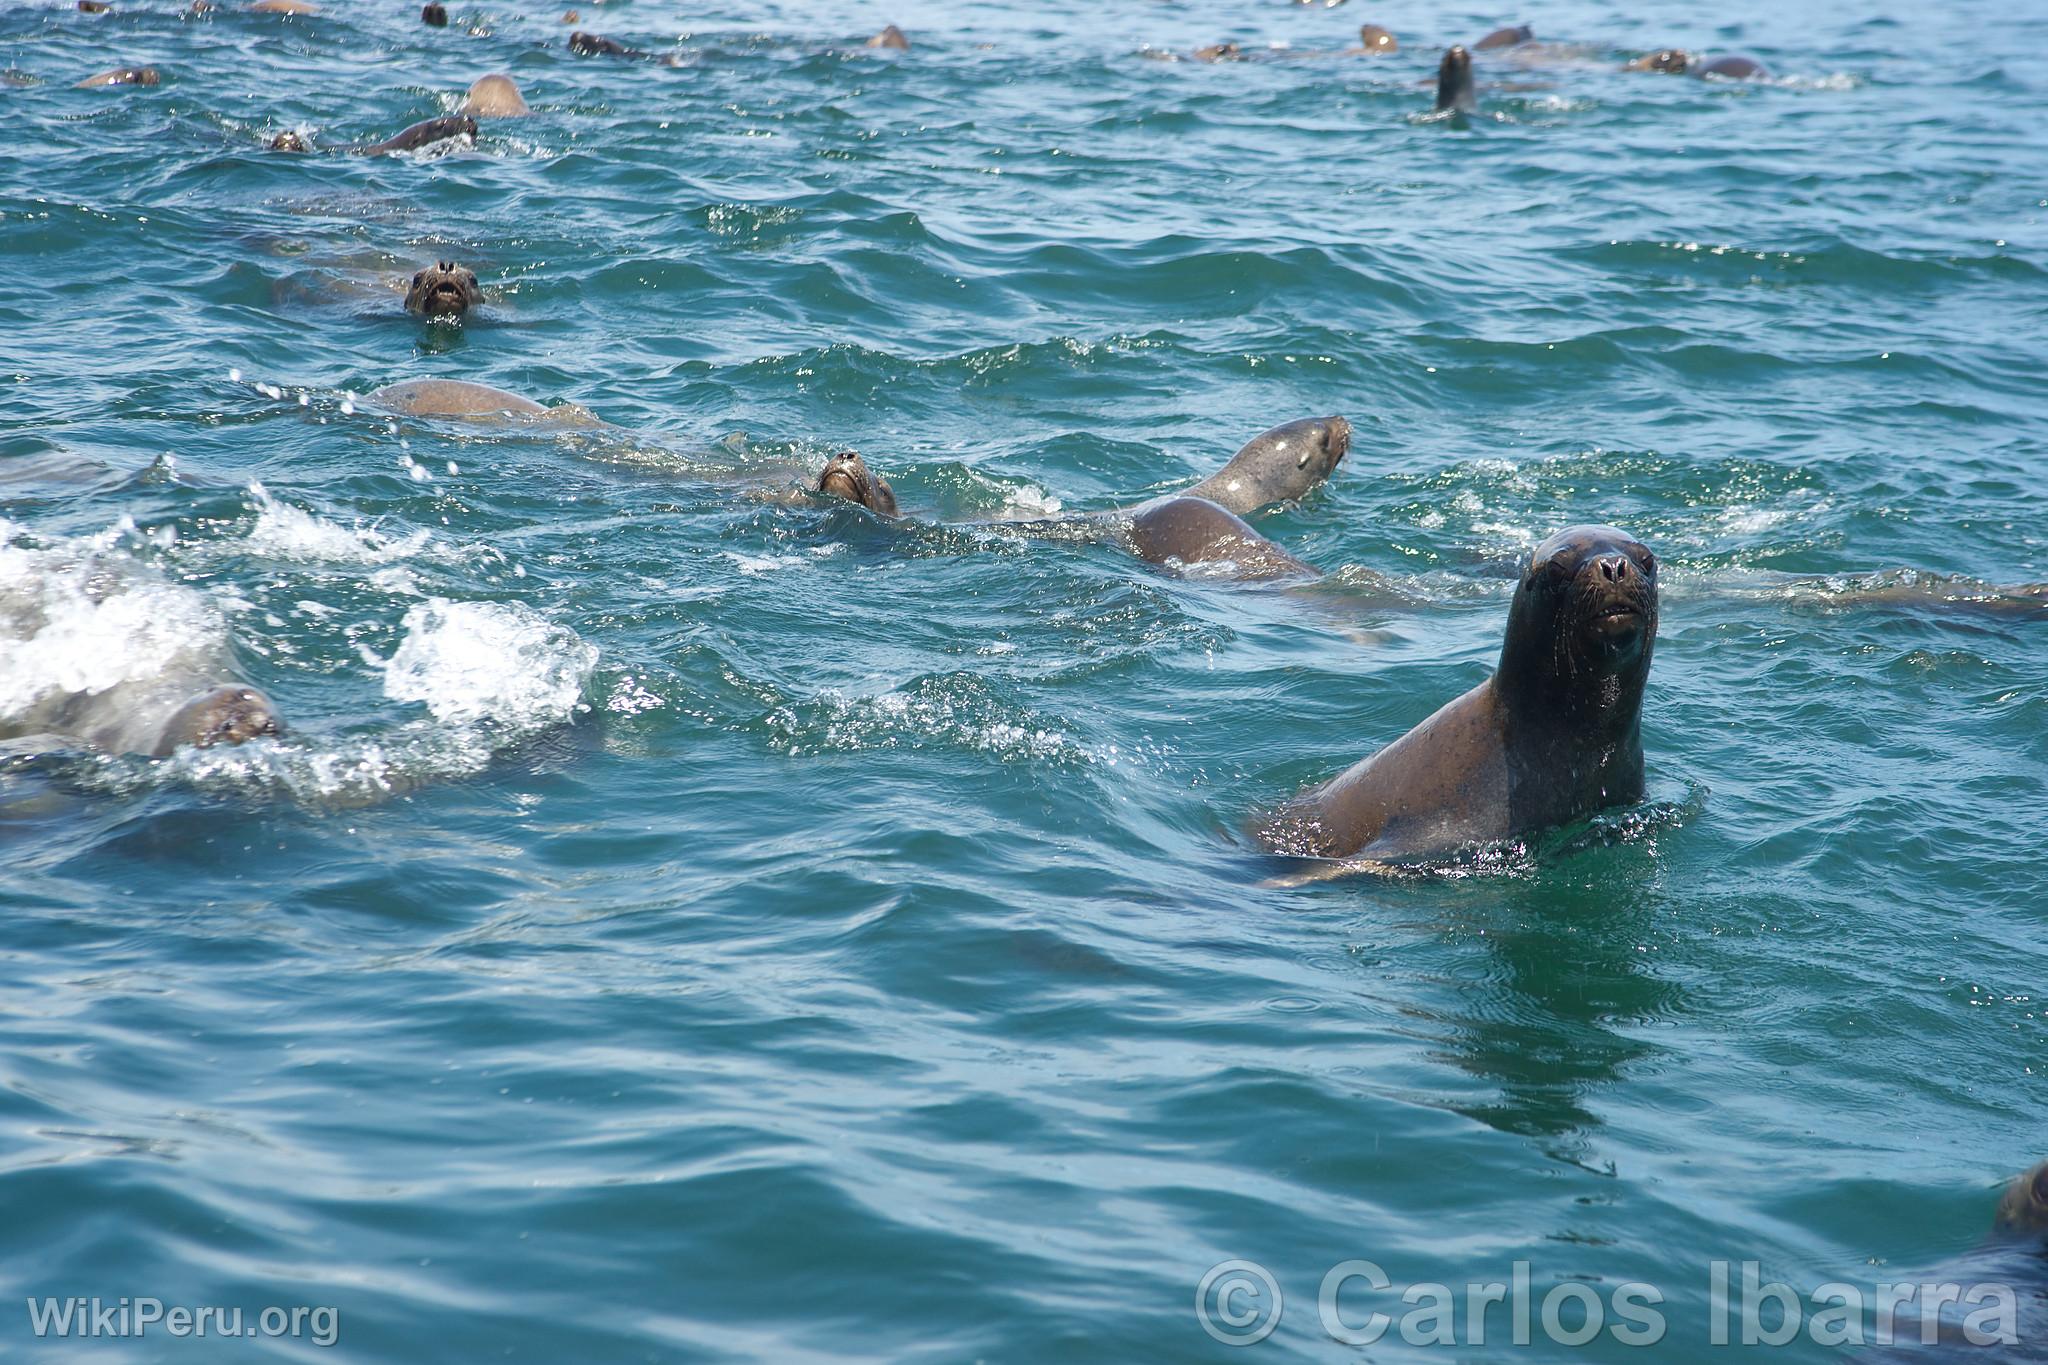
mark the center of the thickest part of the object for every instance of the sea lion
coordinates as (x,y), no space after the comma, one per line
(1505,37)
(2001,1316)
(892,38)
(434,15)
(443,290)
(1553,735)
(94,7)
(284,7)
(425,133)
(289,141)
(846,475)
(494,96)
(126,75)
(1375,41)
(1678,62)
(594,45)
(1220,52)
(1454,91)
(475,402)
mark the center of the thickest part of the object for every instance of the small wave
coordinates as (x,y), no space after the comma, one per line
(285,532)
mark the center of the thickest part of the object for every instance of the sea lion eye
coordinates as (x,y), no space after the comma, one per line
(2041,1186)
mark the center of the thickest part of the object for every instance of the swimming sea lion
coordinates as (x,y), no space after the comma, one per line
(284,7)
(1554,734)
(443,290)
(1505,37)
(1220,52)
(126,75)
(434,15)
(289,141)
(891,37)
(475,402)
(494,96)
(226,715)
(93,7)
(1375,41)
(595,45)
(846,475)
(1678,62)
(1454,89)
(425,133)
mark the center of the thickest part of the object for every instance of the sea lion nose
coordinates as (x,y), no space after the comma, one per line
(1613,568)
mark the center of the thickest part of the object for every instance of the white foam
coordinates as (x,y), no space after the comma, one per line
(285,532)
(85,622)
(489,661)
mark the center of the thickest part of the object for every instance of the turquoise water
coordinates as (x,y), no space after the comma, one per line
(690,925)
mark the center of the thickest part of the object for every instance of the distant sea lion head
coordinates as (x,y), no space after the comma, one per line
(891,37)
(1220,52)
(1375,39)
(1454,82)
(288,141)
(1584,619)
(1673,61)
(434,16)
(226,715)
(126,75)
(846,475)
(443,290)
(596,45)
(2023,1212)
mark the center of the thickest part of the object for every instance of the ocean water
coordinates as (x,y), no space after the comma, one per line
(691,922)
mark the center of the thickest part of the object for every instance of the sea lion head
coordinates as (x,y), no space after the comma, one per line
(1220,52)
(2024,1210)
(892,38)
(1584,619)
(1376,40)
(434,15)
(495,96)
(1672,61)
(288,141)
(1279,465)
(846,475)
(226,715)
(443,290)
(596,45)
(1454,82)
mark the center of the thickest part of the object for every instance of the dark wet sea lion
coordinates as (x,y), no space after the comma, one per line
(126,75)
(1184,532)
(459,398)
(289,141)
(1278,465)
(443,290)
(846,475)
(94,7)
(1376,41)
(891,37)
(1220,52)
(1678,62)
(1454,89)
(229,714)
(595,45)
(425,133)
(434,15)
(1505,37)
(1553,735)
(494,96)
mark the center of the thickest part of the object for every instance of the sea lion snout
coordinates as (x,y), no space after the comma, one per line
(226,715)
(846,475)
(2024,1209)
